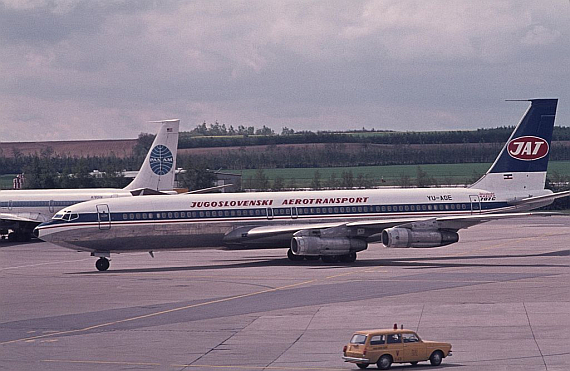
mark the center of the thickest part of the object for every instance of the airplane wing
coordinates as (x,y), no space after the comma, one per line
(23,217)
(368,228)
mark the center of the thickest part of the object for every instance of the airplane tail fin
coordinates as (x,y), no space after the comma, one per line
(522,163)
(157,170)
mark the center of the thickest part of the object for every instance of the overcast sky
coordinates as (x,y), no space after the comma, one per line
(103,69)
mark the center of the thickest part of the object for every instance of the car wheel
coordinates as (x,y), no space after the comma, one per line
(436,358)
(362,365)
(384,362)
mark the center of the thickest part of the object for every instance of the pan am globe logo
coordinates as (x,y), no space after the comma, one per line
(528,148)
(161,160)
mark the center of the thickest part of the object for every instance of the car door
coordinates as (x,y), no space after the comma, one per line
(395,347)
(414,348)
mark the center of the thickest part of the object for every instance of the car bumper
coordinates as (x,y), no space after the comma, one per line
(355,360)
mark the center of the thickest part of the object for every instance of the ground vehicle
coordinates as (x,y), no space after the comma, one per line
(388,346)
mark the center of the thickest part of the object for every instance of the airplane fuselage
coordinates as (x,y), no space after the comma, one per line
(212,221)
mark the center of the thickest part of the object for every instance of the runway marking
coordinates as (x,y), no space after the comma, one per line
(125,363)
(149,315)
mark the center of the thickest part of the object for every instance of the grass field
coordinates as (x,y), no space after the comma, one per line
(392,175)
(6,181)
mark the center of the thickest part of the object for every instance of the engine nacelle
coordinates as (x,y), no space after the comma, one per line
(315,246)
(404,237)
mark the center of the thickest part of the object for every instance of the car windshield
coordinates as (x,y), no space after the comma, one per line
(358,339)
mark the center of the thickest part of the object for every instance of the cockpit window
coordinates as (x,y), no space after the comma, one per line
(58,216)
(66,215)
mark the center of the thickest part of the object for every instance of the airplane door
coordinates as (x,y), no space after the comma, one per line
(269,213)
(294,213)
(104,217)
(50,206)
(475,204)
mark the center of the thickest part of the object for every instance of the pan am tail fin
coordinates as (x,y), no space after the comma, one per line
(157,170)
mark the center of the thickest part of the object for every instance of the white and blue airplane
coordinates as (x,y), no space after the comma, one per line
(332,225)
(23,210)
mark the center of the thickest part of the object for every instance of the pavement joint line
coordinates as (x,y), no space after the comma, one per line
(102,362)
(154,314)
(48,263)
(126,363)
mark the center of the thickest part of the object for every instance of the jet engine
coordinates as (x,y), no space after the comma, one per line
(404,237)
(315,246)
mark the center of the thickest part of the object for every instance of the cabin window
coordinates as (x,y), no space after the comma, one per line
(429,207)
(169,215)
(163,215)
(353,209)
(406,208)
(413,207)
(214,213)
(176,215)
(125,216)
(336,210)
(183,214)
(342,209)
(226,213)
(207,214)
(201,214)
(144,215)
(138,215)
(131,216)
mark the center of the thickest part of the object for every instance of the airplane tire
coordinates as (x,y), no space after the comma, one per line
(330,258)
(312,257)
(348,258)
(293,257)
(102,264)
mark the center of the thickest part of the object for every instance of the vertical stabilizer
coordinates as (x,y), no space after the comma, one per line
(157,170)
(522,163)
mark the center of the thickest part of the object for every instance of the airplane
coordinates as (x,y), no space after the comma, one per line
(23,210)
(331,225)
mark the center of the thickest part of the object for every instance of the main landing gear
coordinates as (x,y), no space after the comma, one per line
(347,258)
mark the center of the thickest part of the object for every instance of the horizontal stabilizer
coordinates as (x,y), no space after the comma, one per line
(209,189)
(540,199)
(146,192)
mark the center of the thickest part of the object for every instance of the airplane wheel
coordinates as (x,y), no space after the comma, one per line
(293,257)
(102,264)
(329,258)
(312,257)
(348,258)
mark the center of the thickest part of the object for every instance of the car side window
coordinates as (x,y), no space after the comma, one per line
(377,339)
(410,338)
(394,339)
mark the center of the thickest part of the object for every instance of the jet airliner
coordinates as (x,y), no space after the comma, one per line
(23,210)
(332,225)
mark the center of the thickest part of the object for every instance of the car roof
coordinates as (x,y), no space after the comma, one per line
(384,331)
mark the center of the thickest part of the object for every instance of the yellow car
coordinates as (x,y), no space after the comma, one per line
(385,347)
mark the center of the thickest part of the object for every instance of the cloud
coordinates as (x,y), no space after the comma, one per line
(102,68)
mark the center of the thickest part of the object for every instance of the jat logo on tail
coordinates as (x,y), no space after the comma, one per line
(161,160)
(528,148)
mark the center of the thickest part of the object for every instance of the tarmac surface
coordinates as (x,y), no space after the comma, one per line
(501,296)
